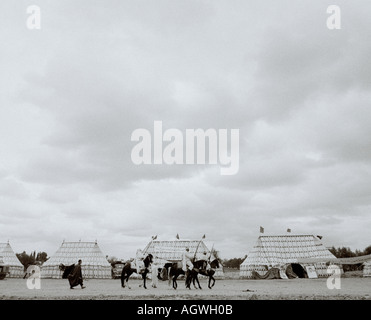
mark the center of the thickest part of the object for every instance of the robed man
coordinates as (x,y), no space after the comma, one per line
(75,277)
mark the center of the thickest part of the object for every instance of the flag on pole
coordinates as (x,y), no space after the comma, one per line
(177,236)
(288,230)
(204,236)
(261,229)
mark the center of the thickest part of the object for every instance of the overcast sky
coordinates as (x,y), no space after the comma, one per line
(73,92)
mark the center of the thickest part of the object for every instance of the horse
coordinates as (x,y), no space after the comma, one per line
(200,267)
(66,270)
(127,271)
(174,271)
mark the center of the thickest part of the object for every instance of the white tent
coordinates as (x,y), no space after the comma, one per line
(367,269)
(165,251)
(282,251)
(16,269)
(94,263)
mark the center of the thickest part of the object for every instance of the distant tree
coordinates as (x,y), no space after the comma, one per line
(359,253)
(25,259)
(42,257)
(346,252)
(367,250)
(32,258)
(234,262)
(333,251)
(343,252)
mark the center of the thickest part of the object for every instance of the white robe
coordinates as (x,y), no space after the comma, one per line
(154,272)
(187,256)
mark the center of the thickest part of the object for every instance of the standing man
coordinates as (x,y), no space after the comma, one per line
(75,277)
(154,275)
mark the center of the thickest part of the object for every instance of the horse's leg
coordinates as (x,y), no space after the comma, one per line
(169,276)
(211,278)
(193,279)
(175,285)
(123,280)
(188,279)
(144,276)
(169,281)
(198,282)
(127,279)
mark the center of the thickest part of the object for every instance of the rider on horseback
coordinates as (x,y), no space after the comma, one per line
(206,258)
(187,260)
(139,261)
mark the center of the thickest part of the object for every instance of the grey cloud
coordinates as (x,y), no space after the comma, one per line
(297,91)
(10,187)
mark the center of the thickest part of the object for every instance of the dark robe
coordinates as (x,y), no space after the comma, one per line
(75,277)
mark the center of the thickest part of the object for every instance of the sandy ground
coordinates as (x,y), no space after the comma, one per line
(236,289)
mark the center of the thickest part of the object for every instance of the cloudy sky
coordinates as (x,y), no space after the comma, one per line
(73,92)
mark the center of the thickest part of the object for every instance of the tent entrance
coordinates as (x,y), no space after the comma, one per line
(299,270)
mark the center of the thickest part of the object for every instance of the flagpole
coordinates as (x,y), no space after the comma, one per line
(203,237)
(211,252)
(153,239)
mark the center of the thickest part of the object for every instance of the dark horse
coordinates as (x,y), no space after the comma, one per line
(200,267)
(66,270)
(174,271)
(127,271)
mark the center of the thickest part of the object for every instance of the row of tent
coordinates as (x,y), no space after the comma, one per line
(286,255)
(94,262)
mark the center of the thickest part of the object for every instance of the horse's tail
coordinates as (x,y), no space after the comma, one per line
(169,275)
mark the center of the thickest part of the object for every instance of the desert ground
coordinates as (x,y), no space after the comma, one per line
(231,288)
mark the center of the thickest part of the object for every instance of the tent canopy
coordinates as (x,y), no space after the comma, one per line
(9,258)
(280,250)
(165,251)
(94,263)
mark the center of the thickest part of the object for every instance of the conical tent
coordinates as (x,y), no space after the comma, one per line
(94,263)
(16,269)
(284,251)
(165,251)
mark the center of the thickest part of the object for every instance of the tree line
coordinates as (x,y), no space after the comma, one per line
(32,258)
(233,263)
(345,252)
